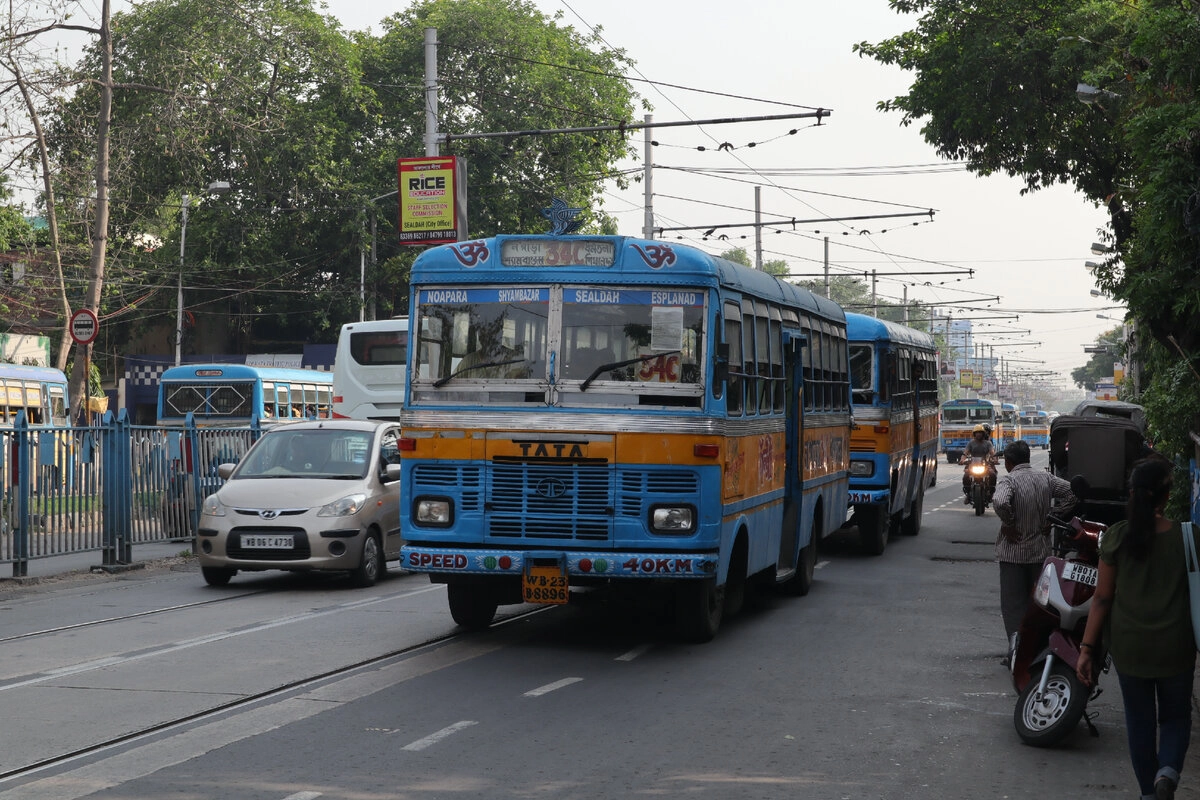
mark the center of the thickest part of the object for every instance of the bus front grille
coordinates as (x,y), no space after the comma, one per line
(571,502)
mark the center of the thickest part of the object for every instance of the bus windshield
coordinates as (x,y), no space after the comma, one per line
(597,343)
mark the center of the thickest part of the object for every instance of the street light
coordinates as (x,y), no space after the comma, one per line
(216,187)
(1093,265)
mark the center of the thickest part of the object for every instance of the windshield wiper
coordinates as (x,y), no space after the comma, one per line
(443,381)
(618,364)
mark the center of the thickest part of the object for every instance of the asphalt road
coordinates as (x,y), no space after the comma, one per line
(884,682)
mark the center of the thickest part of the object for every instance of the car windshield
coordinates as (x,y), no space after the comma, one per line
(323,453)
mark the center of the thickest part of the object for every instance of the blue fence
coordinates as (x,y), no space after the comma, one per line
(106,487)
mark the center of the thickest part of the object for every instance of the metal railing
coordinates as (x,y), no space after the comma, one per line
(106,487)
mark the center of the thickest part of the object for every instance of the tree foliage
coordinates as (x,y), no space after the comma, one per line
(304,122)
(995,84)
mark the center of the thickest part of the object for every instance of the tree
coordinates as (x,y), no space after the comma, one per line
(995,85)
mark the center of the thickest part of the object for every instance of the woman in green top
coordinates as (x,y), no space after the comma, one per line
(1142,595)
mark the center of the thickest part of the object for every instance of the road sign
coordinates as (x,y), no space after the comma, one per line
(84,326)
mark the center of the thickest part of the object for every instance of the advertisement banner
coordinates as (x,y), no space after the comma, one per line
(433,200)
(966,378)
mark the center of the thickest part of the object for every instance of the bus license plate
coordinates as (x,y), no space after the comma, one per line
(544,585)
(1080,573)
(268,542)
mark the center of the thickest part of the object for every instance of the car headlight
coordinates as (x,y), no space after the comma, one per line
(673,519)
(345,507)
(212,507)
(433,511)
(861,469)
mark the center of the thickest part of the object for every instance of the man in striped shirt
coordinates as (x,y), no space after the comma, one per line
(1023,499)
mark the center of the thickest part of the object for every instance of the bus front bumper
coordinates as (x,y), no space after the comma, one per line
(444,561)
(869,497)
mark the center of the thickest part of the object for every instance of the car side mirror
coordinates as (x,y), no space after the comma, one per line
(391,472)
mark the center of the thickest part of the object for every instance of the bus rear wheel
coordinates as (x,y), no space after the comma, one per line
(472,604)
(699,608)
(911,525)
(874,527)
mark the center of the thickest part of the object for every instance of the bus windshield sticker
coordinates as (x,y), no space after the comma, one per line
(666,328)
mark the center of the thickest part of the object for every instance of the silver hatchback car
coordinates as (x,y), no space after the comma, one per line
(321,495)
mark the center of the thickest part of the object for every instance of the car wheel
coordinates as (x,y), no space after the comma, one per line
(217,576)
(370,566)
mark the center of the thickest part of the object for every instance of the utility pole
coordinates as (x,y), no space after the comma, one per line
(758,262)
(648,179)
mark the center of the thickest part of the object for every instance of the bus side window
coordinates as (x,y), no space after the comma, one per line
(733,337)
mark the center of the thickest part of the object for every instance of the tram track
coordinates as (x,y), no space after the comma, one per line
(245,702)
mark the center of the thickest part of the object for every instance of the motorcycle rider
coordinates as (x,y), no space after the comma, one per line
(979,446)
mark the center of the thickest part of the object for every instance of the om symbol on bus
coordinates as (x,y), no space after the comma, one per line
(664,369)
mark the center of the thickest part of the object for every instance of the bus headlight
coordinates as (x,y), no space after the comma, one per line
(212,507)
(862,469)
(673,520)
(433,511)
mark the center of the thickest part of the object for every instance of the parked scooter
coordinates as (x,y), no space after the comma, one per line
(981,488)
(1045,649)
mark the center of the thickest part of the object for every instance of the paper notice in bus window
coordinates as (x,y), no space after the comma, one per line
(666,328)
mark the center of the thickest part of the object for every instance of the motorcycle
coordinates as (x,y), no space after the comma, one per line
(980,484)
(1045,649)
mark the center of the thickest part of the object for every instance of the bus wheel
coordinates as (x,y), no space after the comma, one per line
(699,606)
(472,605)
(911,525)
(800,584)
(874,527)
(217,576)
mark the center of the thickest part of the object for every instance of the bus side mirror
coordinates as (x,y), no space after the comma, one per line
(721,364)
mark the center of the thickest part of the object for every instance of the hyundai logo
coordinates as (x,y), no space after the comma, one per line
(269,513)
(550,488)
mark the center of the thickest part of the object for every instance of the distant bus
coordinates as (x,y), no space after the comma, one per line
(41,392)
(369,369)
(1035,428)
(231,395)
(894,441)
(959,418)
(1008,426)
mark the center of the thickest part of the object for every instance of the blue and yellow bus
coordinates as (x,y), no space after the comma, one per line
(41,392)
(231,395)
(595,410)
(1035,428)
(1007,432)
(959,418)
(894,441)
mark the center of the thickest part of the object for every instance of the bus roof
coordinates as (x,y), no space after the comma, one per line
(864,328)
(635,261)
(193,372)
(32,373)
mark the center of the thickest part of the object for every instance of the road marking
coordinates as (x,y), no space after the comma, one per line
(634,653)
(303,796)
(821,564)
(434,738)
(550,687)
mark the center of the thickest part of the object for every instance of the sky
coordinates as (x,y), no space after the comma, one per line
(1028,291)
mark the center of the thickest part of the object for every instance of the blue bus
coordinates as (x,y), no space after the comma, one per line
(1009,416)
(41,392)
(959,418)
(584,411)
(894,441)
(231,395)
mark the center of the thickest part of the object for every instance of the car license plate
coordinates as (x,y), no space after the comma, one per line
(258,542)
(1080,573)
(544,585)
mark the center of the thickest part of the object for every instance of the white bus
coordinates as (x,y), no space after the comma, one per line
(369,369)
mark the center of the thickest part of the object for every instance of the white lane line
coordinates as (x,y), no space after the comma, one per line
(434,738)
(303,796)
(821,564)
(634,653)
(550,687)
